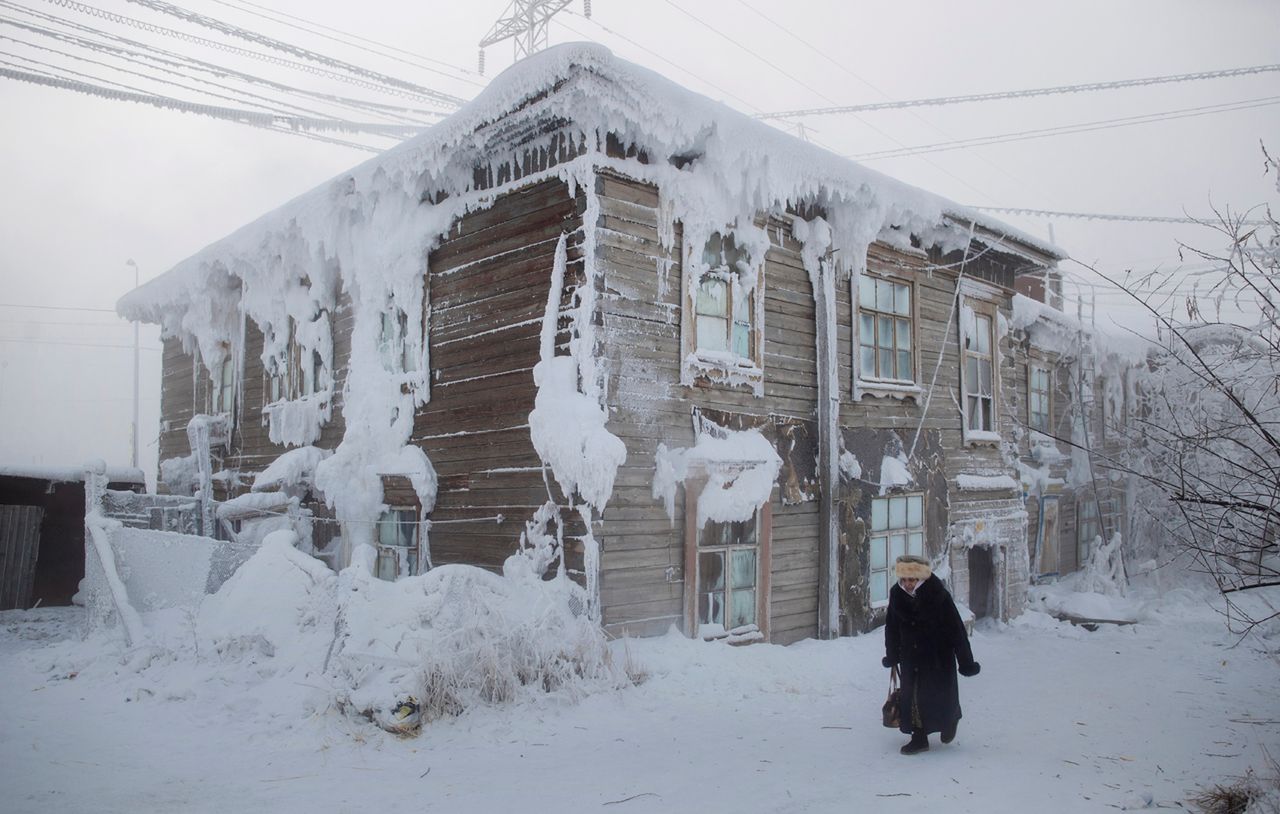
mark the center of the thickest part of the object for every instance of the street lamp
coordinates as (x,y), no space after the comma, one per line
(134,432)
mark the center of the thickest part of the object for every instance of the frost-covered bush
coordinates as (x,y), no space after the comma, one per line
(408,652)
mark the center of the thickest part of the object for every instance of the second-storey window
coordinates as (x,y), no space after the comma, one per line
(885,330)
(224,389)
(724,309)
(897,528)
(1038,403)
(300,372)
(979,375)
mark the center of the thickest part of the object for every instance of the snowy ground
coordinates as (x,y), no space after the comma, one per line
(1060,720)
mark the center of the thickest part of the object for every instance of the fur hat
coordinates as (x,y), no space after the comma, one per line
(913,567)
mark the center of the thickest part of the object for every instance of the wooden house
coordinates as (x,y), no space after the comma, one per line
(730,374)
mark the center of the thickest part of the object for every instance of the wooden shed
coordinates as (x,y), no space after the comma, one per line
(42,531)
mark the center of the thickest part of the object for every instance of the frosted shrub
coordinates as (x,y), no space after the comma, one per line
(437,644)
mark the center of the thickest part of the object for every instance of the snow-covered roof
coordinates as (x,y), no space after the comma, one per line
(752,162)
(70,474)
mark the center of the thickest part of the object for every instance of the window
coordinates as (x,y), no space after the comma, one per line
(885,325)
(224,385)
(393,345)
(301,372)
(897,528)
(725,307)
(979,374)
(397,544)
(723,315)
(1087,529)
(1039,406)
(728,558)
(726,568)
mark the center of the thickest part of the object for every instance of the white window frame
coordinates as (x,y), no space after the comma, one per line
(744,306)
(893,529)
(878,384)
(970,349)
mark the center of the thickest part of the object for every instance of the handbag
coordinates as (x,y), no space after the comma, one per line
(890,709)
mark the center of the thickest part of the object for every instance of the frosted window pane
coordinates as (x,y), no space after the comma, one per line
(897,546)
(744,609)
(915,544)
(744,569)
(904,366)
(884,296)
(711,609)
(879,586)
(904,334)
(713,297)
(971,374)
(742,339)
(868,362)
(879,515)
(866,329)
(866,292)
(902,300)
(710,571)
(897,512)
(884,338)
(984,377)
(886,363)
(915,506)
(712,333)
(879,553)
(983,329)
(387,565)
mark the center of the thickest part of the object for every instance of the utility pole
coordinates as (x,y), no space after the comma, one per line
(525,23)
(133,441)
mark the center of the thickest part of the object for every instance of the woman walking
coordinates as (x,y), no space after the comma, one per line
(925,638)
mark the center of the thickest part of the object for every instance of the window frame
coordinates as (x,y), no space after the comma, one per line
(1033,368)
(412,553)
(763,518)
(1086,513)
(711,365)
(225,391)
(989,311)
(295,382)
(875,535)
(878,385)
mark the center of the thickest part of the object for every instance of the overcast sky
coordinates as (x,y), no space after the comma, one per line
(91,183)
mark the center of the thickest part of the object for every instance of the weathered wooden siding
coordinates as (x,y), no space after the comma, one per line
(487,286)
(642,579)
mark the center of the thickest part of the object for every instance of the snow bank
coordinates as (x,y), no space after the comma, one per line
(295,467)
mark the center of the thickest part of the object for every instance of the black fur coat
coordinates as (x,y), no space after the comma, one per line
(925,637)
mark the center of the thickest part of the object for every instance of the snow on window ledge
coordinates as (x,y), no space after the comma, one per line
(879,389)
(986,483)
(976,438)
(727,369)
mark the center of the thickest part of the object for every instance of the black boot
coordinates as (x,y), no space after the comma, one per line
(919,743)
(949,734)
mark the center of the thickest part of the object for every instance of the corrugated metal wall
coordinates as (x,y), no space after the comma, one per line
(19,548)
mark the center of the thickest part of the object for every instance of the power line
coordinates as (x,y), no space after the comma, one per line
(224,47)
(277,45)
(58,308)
(295,125)
(1049,213)
(1022,94)
(416,62)
(1105,124)
(146,52)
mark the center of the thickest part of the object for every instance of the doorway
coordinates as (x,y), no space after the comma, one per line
(981,582)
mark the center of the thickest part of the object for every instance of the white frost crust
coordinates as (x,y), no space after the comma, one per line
(986,483)
(296,467)
(894,472)
(741,469)
(70,474)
